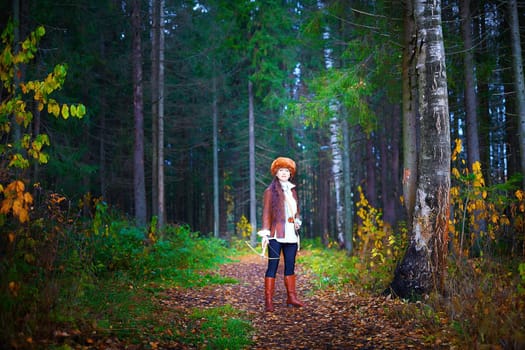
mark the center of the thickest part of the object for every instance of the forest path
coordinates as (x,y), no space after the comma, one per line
(330,320)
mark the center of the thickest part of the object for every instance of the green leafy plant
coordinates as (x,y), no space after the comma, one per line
(330,267)
(16,200)
(521,285)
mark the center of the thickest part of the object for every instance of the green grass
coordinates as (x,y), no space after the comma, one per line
(219,328)
(328,267)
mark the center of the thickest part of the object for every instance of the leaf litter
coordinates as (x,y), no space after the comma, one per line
(331,319)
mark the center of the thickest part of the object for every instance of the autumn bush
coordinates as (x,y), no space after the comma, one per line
(63,270)
(484,298)
(484,303)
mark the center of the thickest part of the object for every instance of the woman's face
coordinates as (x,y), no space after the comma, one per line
(283,174)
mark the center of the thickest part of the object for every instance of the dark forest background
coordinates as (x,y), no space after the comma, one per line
(212,50)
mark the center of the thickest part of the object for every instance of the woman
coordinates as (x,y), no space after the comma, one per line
(280,222)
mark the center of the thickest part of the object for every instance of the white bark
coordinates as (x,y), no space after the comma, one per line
(348,199)
(337,175)
(423,267)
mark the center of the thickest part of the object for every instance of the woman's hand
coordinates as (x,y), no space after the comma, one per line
(297,223)
(264,242)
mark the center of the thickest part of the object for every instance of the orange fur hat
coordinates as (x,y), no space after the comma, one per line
(283,162)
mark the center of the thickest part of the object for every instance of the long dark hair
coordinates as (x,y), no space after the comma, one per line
(277,198)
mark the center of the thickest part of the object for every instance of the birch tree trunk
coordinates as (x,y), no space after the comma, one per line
(348,199)
(422,269)
(251,141)
(139,186)
(337,175)
(519,84)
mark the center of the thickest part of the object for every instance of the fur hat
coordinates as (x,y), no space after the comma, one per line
(283,162)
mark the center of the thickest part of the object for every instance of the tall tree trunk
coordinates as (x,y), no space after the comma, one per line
(422,269)
(251,141)
(215,113)
(139,187)
(471,106)
(386,172)
(157,103)
(409,111)
(324,192)
(154,106)
(337,175)
(395,179)
(160,163)
(471,103)
(348,199)
(519,84)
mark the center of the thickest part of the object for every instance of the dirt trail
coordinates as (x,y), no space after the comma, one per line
(330,320)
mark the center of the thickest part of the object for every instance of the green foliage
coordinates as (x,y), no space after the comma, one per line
(521,284)
(219,328)
(14,115)
(335,87)
(330,267)
(63,270)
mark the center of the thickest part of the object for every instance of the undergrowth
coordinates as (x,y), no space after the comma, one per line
(81,281)
(483,305)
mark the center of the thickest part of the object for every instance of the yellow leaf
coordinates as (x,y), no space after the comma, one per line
(28,198)
(65,111)
(17,186)
(6,206)
(17,206)
(56,110)
(13,287)
(23,216)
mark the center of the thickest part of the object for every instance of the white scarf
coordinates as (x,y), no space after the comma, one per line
(291,204)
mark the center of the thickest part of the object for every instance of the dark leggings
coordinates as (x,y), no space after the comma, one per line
(274,252)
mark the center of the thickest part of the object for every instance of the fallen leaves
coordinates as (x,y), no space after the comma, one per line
(332,319)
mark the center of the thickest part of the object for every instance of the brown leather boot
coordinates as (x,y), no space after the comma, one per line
(289,282)
(269,287)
